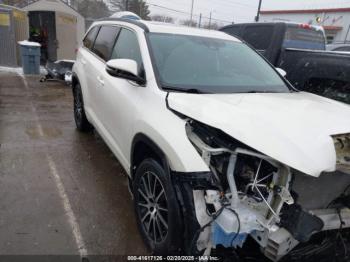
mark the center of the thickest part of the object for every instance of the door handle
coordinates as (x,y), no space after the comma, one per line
(101,81)
(83,61)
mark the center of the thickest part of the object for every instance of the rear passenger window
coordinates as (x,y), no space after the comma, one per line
(105,41)
(343,48)
(232,30)
(127,47)
(90,37)
(258,36)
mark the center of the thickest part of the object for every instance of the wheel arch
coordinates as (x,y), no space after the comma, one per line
(75,80)
(143,147)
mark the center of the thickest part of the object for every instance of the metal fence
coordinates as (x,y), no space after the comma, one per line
(13,28)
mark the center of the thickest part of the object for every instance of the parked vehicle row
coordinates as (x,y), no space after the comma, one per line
(339,47)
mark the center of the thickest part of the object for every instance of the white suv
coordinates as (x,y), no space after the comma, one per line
(219,148)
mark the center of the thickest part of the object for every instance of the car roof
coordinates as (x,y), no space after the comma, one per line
(289,23)
(159,27)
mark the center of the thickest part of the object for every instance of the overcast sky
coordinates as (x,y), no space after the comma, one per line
(236,10)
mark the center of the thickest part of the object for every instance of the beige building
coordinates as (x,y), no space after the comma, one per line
(58,26)
(335,21)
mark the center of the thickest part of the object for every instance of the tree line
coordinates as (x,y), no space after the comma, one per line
(94,9)
(97,8)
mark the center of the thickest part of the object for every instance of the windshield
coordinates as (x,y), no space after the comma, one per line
(304,38)
(209,65)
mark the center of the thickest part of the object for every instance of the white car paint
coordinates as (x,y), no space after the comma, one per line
(290,130)
(294,129)
(120,109)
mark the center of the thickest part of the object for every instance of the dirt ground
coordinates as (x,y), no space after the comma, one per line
(61,192)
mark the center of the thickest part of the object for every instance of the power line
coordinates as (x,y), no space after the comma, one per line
(224,12)
(230,2)
(187,13)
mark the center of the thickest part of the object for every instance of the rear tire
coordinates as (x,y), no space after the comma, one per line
(157,210)
(83,125)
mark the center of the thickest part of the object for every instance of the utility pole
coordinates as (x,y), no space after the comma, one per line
(346,36)
(200,20)
(258,13)
(192,11)
(126,5)
(210,20)
(140,9)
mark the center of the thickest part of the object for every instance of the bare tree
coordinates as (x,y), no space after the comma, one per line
(212,25)
(162,18)
(93,9)
(117,5)
(139,7)
(190,23)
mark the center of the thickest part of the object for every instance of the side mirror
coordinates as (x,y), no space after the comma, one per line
(281,71)
(124,68)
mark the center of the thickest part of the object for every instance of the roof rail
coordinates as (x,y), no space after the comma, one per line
(130,21)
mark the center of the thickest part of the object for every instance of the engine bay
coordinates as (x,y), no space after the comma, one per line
(258,198)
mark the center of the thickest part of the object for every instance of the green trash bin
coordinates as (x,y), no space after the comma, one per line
(30,53)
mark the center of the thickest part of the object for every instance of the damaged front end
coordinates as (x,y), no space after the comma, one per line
(342,149)
(250,197)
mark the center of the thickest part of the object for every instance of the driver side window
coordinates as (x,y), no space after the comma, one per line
(127,47)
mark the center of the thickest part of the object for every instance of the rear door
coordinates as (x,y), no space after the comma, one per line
(83,67)
(96,63)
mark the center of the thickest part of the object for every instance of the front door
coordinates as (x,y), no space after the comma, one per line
(120,96)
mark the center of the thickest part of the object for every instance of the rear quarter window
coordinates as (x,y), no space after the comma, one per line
(232,30)
(259,37)
(304,38)
(342,48)
(90,37)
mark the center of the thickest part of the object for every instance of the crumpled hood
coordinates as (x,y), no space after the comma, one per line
(293,128)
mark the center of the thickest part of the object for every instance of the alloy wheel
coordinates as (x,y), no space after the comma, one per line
(78,105)
(152,207)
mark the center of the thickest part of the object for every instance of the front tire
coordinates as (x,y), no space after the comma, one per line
(81,121)
(157,212)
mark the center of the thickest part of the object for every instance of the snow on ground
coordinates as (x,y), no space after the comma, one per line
(28,43)
(19,70)
(16,70)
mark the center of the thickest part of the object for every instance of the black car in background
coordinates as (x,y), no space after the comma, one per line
(300,50)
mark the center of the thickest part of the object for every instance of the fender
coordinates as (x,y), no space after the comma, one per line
(75,80)
(140,137)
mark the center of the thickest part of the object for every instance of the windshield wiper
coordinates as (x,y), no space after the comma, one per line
(257,92)
(188,90)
